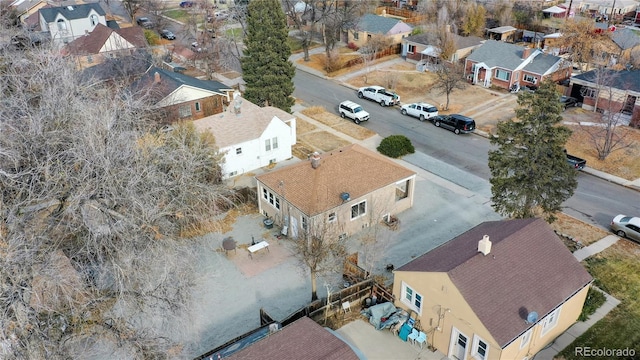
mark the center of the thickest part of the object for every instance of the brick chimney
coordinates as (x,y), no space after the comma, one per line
(156,77)
(484,245)
(315,160)
(526,53)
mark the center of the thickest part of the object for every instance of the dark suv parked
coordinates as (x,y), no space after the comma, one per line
(455,122)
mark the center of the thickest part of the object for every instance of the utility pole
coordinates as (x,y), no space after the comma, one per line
(566,15)
(611,17)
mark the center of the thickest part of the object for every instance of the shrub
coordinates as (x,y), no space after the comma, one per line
(595,299)
(352,46)
(396,146)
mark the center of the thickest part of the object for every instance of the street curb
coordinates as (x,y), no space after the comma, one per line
(599,174)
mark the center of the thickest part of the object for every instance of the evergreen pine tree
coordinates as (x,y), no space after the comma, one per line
(529,170)
(266,68)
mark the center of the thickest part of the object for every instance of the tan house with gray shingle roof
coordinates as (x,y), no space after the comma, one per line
(250,136)
(502,290)
(347,189)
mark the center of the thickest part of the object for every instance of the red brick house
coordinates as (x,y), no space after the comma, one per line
(504,65)
(183,97)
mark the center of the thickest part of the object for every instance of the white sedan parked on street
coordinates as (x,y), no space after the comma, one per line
(422,111)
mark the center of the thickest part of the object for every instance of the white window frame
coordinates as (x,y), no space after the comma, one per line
(94,19)
(271,198)
(530,78)
(410,297)
(239,151)
(274,143)
(500,71)
(360,213)
(590,92)
(198,107)
(356,35)
(476,345)
(267,145)
(526,337)
(304,223)
(332,216)
(550,321)
(411,49)
(62,25)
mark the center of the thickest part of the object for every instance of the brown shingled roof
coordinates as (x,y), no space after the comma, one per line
(303,339)
(352,169)
(528,269)
(92,42)
(230,128)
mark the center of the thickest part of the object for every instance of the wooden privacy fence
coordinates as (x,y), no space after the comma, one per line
(391,50)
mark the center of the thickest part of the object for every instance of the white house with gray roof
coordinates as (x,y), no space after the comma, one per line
(504,65)
(250,136)
(67,23)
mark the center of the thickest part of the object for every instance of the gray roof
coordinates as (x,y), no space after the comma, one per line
(509,56)
(622,79)
(377,24)
(71,12)
(541,63)
(626,38)
(497,53)
(528,269)
(173,80)
(502,29)
(461,42)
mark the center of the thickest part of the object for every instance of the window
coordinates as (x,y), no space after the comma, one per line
(480,348)
(355,36)
(233,173)
(550,321)
(274,143)
(525,338)
(198,108)
(62,26)
(89,59)
(530,78)
(411,298)
(303,220)
(588,92)
(411,49)
(184,111)
(332,217)
(238,151)
(402,190)
(267,145)
(273,199)
(502,75)
(94,20)
(358,210)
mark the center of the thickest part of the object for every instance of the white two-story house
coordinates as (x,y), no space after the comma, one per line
(67,23)
(250,136)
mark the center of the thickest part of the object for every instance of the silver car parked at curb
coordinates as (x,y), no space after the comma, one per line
(626,226)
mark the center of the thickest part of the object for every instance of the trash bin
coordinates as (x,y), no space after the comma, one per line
(268,223)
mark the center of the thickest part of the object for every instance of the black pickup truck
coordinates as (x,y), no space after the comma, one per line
(575,161)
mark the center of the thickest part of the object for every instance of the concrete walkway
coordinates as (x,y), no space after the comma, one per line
(596,247)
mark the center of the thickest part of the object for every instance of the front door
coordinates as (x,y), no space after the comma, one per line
(458,347)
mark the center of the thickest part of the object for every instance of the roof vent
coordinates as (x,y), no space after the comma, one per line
(484,245)
(532,317)
(345,196)
(315,160)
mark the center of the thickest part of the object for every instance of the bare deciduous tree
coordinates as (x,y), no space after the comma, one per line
(93,204)
(448,78)
(320,249)
(371,49)
(605,135)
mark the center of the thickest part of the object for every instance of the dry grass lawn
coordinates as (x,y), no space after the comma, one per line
(347,127)
(581,231)
(623,163)
(322,140)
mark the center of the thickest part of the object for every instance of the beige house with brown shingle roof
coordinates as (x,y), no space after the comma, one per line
(347,189)
(502,290)
(103,42)
(250,136)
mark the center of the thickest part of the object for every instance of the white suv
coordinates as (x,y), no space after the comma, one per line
(353,111)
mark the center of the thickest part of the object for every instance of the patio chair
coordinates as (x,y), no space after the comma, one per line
(413,336)
(421,339)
